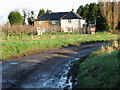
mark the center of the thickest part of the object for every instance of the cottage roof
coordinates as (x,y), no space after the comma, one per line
(58,16)
(71,15)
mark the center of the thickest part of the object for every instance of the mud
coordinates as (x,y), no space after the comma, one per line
(72,74)
(49,69)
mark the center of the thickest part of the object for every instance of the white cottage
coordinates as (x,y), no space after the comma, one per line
(61,21)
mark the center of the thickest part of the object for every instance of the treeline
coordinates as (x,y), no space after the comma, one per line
(28,17)
(90,12)
(93,16)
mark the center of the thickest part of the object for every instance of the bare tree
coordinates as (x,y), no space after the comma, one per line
(119,9)
(6,30)
(24,15)
(118,25)
(109,10)
(115,14)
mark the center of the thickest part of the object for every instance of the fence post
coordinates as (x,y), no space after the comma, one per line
(7,38)
(32,32)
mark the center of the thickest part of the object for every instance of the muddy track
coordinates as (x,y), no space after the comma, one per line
(45,70)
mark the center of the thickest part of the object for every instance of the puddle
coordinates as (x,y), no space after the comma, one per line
(9,81)
(76,59)
(69,85)
(14,63)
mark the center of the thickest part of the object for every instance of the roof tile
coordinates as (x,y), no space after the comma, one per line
(58,16)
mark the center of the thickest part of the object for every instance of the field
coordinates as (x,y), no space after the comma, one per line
(100,70)
(29,45)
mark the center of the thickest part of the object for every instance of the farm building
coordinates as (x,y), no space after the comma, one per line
(61,21)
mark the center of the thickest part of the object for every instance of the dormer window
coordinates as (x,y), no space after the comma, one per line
(69,20)
(53,22)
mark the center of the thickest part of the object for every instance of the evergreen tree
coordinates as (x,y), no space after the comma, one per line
(101,23)
(80,10)
(49,11)
(93,16)
(24,16)
(31,18)
(42,11)
(85,11)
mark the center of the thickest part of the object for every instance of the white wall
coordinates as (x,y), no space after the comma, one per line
(75,23)
(82,22)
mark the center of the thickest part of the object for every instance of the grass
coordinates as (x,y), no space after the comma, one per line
(45,36)
(14,48)
(100,70)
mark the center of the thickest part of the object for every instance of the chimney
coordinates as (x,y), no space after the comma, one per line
(72,10)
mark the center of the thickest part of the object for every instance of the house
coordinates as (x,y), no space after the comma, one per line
(61,22)
(91,30)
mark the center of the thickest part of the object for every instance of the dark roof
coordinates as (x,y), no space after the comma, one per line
(58,16)
(51,16)
(72,15)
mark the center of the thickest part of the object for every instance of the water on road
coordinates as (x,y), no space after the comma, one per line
(44,70)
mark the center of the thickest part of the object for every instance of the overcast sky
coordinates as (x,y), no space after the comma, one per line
(55,5)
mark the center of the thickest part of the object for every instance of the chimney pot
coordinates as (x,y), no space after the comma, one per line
(73,10)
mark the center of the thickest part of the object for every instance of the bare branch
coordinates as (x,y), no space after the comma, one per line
(109,9)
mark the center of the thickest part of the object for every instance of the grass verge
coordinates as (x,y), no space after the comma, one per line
(17,48)
(100,70)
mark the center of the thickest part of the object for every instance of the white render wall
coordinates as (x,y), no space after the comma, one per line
(75,24)
(82,22)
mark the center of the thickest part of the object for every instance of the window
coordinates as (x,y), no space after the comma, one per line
(54,22)
(104,4)
(41,22)
(69,21)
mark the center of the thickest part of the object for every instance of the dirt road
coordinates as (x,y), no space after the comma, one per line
(44,70)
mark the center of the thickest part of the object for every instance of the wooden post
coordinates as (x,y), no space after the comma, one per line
(32,32)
